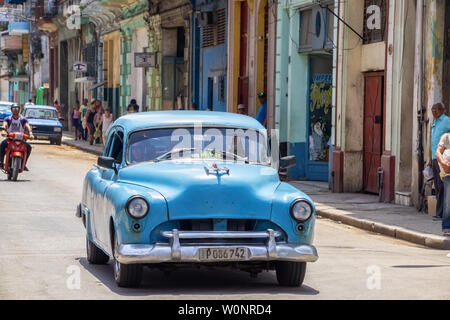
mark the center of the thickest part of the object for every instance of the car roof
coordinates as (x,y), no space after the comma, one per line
(6,102)
(34,106)
(142,120)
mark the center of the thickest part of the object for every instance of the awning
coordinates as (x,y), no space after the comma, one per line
(19,79)
(85,79)
(97,85)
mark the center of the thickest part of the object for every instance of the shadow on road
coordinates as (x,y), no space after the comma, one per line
(191,281)
(18,180)
(420,266)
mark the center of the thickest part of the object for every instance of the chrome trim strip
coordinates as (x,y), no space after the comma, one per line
(162,252)
(221,234)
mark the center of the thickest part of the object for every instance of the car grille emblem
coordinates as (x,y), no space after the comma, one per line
(215,169)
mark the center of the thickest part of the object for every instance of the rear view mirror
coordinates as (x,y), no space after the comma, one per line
(106,162)
(288,162)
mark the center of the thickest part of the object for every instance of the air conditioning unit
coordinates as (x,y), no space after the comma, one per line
(319,27)
(205,18)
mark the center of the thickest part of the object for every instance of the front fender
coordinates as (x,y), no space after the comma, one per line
(283,197)
(117,195)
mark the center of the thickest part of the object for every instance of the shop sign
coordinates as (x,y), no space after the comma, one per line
(144,60)
(79,67)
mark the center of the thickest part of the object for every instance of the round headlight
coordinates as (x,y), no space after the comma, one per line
(137,207)
(301,210)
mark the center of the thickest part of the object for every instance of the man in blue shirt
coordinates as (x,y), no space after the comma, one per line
(441,126)
(262,112)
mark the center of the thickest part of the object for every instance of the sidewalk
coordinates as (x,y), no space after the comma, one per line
(68,139)
(365,212)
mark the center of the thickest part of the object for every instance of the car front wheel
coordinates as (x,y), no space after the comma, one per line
(126,275)
(290,274)
(94,254)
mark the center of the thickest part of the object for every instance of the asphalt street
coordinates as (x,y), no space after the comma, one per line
(42,252)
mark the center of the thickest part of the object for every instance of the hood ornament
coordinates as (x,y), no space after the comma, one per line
(215,169)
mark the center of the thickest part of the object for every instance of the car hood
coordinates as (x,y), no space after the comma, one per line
(191,193)
(44,122)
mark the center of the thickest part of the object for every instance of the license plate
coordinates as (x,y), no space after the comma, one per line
(223,254)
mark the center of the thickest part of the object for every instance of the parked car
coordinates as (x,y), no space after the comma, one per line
(168,193)
(45,123)
(5,110)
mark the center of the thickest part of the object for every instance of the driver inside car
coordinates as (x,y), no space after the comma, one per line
(15,123)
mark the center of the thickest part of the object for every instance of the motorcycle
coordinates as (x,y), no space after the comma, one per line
(15,156)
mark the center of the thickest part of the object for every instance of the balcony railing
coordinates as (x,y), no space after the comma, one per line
(11,43)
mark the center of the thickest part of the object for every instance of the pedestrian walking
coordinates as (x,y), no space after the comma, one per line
(441,125)
(443,158)
(133,102)
(241,109)
(90,114)
(262,112)
(58,108)
(130,109)
(97,123)
(76,116)
(106,122)
(83,109)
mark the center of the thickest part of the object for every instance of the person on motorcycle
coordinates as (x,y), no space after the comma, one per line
(15,123)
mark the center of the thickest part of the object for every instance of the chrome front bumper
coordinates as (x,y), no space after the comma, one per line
(175,252)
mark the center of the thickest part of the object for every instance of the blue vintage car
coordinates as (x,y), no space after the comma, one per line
(177,188)
(45,123)
(5,110)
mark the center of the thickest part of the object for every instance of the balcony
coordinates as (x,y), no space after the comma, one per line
(10,43)
(44,13)
(18,28)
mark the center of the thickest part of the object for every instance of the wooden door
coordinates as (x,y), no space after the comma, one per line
(373,130)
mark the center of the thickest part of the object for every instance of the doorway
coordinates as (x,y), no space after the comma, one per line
(373,129)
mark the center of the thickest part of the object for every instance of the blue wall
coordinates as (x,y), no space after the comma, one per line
(208,63)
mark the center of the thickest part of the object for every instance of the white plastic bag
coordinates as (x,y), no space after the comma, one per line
(428,173)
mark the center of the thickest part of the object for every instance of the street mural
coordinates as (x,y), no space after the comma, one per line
(320,117)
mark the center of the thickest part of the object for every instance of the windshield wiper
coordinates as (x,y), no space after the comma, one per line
(168,155)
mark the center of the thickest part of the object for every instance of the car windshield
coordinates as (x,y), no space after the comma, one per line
(5,107)
(231,144)
(35,113)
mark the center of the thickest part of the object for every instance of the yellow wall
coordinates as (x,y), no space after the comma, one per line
(260,37)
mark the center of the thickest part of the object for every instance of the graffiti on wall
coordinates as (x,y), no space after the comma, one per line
(320,117)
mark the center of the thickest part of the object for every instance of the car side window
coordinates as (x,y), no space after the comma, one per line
(109,141)
(117,147)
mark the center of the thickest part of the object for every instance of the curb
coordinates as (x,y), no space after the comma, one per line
(424,239)
(85,149)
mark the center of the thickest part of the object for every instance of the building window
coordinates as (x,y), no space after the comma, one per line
(214,34)
(374,21)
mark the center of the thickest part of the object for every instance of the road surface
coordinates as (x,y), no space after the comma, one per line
(42,252)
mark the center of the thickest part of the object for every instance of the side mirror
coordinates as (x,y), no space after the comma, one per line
(61,119)
(288,162)
(106,162)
